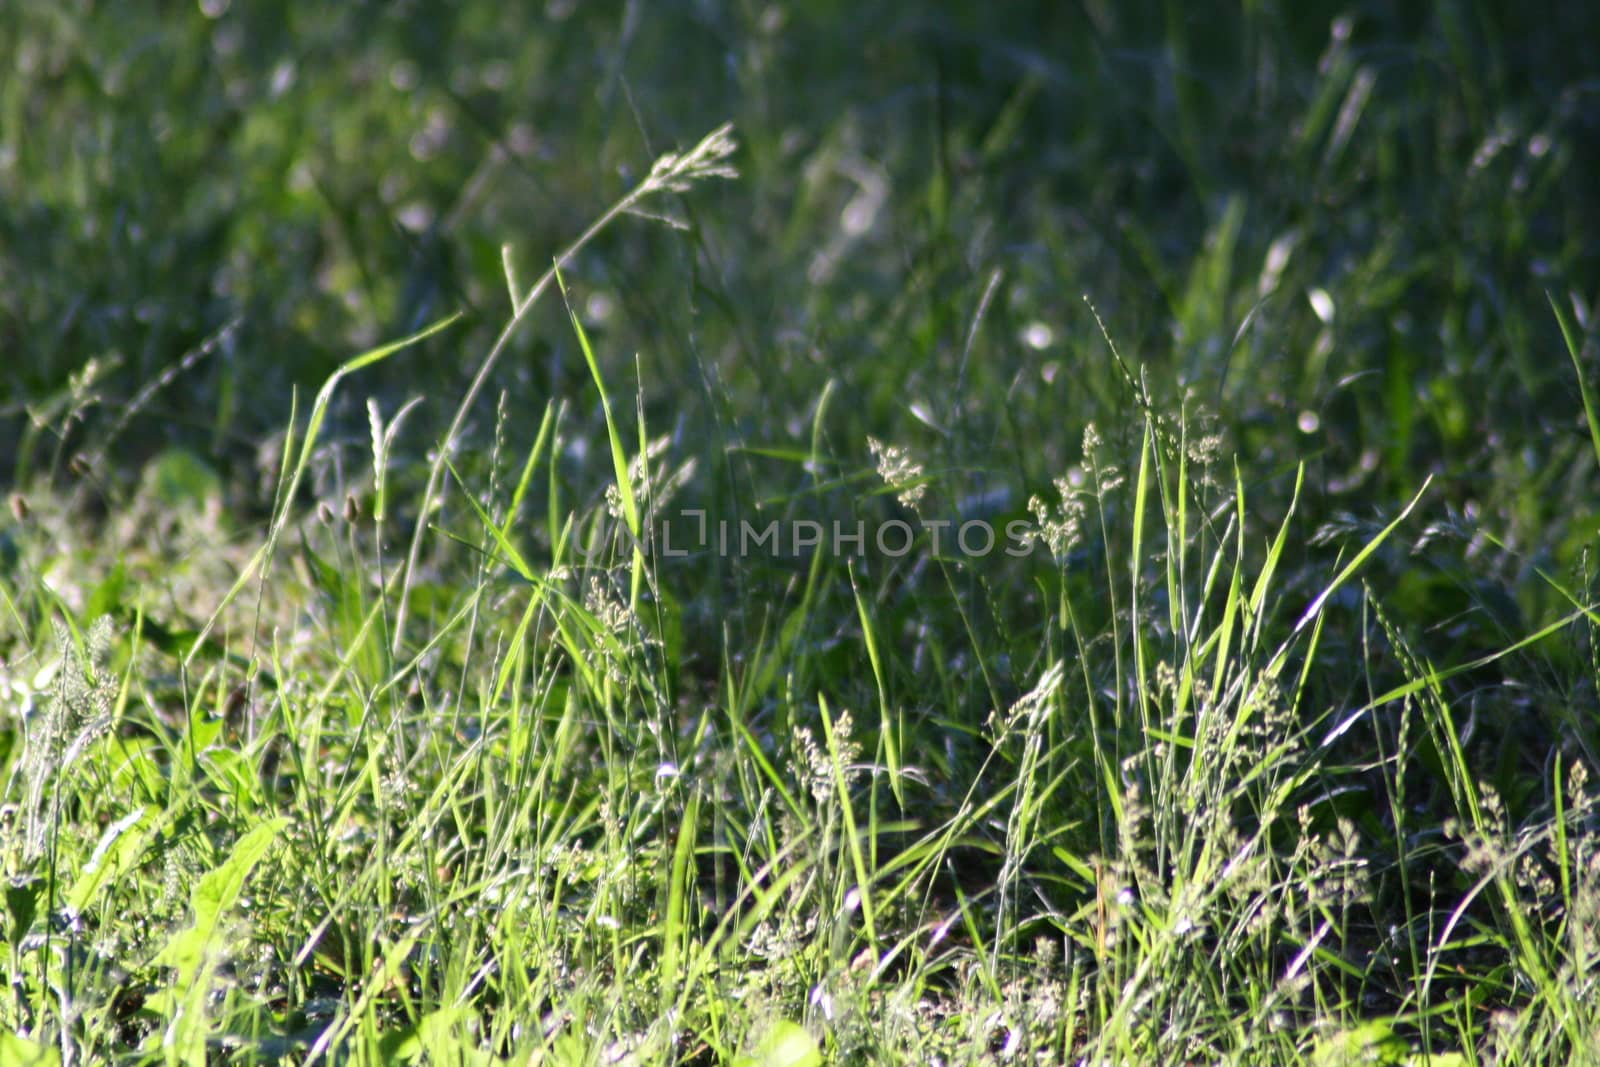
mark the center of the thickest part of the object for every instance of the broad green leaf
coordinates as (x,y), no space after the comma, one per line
(117,853)
(22,905)
(213,897)
(20,1052)
(1371,1043)
(190,950)
(786,1044)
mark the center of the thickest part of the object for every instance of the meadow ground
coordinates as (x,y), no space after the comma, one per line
(414,652)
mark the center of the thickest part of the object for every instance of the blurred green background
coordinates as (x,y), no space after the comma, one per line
(1380,195)
(335,175)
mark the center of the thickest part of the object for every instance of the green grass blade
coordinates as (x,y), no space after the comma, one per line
(286,497)
(1591,407)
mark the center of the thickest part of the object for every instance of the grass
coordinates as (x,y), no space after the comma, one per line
(453,718)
